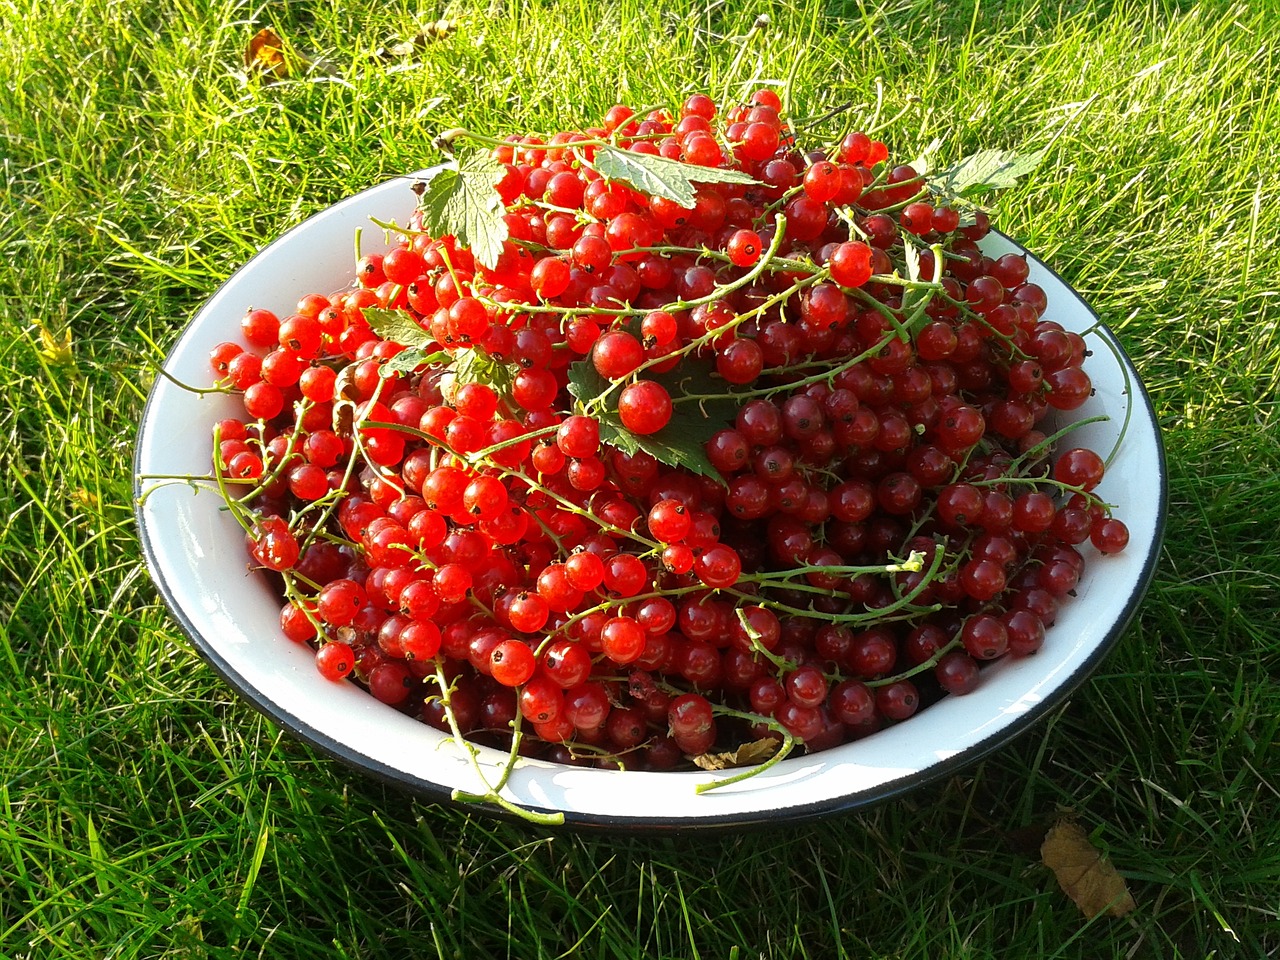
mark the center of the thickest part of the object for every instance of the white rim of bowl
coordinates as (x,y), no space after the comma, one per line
(578,819)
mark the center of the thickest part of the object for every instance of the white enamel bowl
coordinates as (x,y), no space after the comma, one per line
(196,556)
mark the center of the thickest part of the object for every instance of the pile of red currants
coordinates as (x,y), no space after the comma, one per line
(664,477)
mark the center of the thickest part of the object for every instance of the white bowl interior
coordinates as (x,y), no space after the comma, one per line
(196,555)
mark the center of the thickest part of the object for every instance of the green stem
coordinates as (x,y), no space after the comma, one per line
(824,375)
(598,404)
(788,744)
(757,644)
(234,507)
(491,795)
(922,667)
(1034,453)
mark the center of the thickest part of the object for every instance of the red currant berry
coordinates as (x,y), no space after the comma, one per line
(644,407)
(744,248)
(335,660)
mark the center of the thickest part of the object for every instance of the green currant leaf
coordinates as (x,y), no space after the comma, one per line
(911,256)
(984,171)
(463,203)
(912,296)
(398,326)
(407,361)
(923,163)
(471,365)
(660,177)
(682,442)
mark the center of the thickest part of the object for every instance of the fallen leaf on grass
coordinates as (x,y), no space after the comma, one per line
(55,350)
(1083,873)
(83,498)
(265,55)
(747,755)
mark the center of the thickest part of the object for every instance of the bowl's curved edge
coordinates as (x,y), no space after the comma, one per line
(1026,721)
(658,825)
(252,696)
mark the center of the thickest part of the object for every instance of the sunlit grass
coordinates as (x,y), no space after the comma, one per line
(144,812)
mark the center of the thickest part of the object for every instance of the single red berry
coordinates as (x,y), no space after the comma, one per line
(898,701)
(744,248)
(616,354)
(335,660)
(669,521)
(678,558)
(644,407)
(718,566)
(1079,467)
(1110,535)
(985,637)
(512,662)
(578,436)
(822,181)
(957,673)
(550,277)
(850,264)
(622,640)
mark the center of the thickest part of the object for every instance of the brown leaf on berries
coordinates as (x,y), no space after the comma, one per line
(344,386)
(1083,873)
(747,755)
(265,55)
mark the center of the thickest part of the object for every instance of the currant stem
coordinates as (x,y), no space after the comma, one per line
(788,744)
(780,663)
(492,795)
(1045,445)
(923,667)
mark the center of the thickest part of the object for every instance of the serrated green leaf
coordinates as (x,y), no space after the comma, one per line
(911,296)
(463,203)
(923,163)
(682,442)
(407,361)
(660,177)
(984,171)
(912,258)
(398,326)
(476,366)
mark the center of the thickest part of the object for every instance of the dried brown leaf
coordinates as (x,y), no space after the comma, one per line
(438,30)
(405,48)
(265,55)
(82,498)
(1084,874)
(747,755)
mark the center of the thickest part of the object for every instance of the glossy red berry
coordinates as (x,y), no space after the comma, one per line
(644,407)
(744,248)
(616,354)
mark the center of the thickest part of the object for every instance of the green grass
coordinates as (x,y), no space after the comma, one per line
(144,812)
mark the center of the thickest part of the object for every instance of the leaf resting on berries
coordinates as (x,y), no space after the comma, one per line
(409,360)
(397,325)
(476,366)
(747,755)
(659,176)
(682,442)
(463,203)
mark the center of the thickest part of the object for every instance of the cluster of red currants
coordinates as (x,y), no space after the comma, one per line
(486,543)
